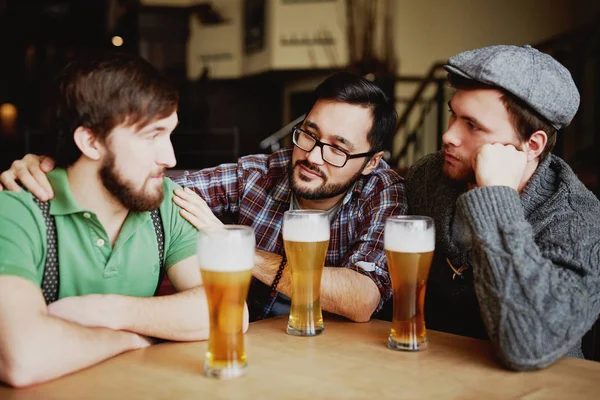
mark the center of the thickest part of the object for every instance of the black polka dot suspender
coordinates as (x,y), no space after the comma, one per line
(160,241)
(51,277)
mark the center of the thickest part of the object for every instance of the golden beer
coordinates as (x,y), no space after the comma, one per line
(226,294)
(409,244)
(409,272)
(306,260)
(226,258)
(306,238)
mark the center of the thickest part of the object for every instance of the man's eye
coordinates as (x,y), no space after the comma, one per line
(337,151)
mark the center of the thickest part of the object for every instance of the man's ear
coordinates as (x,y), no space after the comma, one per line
(372,163)
(88,143)
(535,145)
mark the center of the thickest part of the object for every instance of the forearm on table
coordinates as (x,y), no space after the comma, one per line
(50,347)
(343,291)
(181,317)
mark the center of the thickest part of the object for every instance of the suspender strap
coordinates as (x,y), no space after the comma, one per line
(50,279)
(160,241)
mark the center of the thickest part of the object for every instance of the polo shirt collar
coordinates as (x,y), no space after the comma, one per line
(63,202)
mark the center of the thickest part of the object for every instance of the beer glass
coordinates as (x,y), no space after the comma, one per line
(226,258)
(306,238)
(409,242)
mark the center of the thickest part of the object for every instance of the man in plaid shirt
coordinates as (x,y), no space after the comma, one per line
(335,165)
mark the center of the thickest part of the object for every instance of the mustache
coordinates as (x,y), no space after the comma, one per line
(310,167)
(446,149)
(160,172)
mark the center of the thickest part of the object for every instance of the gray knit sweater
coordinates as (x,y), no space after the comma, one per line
(532,285)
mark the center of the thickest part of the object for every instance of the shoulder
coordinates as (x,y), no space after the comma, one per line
(18,205)
(21,219)
(275,163)
(381,180)
(568,188)
(426,168)
(570,216)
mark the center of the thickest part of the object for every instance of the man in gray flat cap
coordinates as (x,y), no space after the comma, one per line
(518,237)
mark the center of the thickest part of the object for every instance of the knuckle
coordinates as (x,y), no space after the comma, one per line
(17,165)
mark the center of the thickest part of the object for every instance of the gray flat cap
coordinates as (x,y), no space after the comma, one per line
(534,77)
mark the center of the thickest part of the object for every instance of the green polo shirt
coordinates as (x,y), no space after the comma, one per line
(87,263)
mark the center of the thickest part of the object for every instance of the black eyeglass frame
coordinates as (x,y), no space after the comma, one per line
(321,145)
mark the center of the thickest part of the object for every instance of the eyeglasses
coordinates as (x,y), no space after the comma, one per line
(331,155)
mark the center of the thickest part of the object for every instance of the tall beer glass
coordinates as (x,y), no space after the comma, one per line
(226,258)
(306,238)
(409,242)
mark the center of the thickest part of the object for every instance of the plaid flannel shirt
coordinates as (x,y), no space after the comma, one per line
(256,192)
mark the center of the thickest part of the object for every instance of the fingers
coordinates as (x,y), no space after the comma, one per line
(195,210)
(8,181)
(184,202)
(189,195)
(37,167)
(21,171)
(47,164)
(40,177)
(192,219)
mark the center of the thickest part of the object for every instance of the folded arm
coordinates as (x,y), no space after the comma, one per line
(36,347)
(537,299)
(182,316)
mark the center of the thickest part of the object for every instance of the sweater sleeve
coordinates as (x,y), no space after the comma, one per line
(539,292)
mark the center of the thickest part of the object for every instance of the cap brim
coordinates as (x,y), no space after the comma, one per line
(456,71)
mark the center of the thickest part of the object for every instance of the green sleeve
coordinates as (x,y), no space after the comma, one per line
(22,237)
(180,235)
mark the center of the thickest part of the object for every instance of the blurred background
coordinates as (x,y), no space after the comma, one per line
(246,68)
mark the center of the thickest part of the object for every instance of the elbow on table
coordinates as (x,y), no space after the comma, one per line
(362,311)
(517,362)
(20,370)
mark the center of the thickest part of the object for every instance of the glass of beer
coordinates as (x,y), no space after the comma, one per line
(306,238)
(226,258)
(409,242)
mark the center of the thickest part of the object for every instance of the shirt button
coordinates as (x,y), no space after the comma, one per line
(100,242)
(86,215)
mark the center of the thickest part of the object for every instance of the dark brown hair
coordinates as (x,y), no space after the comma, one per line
(525,120)
(102,92)
(347,87)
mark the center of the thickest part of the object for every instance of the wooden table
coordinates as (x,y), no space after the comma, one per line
(348,361)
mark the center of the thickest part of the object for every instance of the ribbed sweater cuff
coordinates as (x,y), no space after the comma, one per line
(490,207)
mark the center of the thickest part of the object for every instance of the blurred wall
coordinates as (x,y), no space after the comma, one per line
(427,31)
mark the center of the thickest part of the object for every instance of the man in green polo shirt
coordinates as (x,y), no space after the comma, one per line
(114,116)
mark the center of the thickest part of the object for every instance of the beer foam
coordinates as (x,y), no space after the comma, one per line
(408,239)
(306,229)
(234,254)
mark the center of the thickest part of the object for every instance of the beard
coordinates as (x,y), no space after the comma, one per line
(458,170)
(138,200)
(326,191)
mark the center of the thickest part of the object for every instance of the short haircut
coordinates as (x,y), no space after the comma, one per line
(102,92)
(347,87)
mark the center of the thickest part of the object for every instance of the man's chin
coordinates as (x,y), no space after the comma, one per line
(456,174)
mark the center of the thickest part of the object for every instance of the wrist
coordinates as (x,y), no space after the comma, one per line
(138,341)
(114,310)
